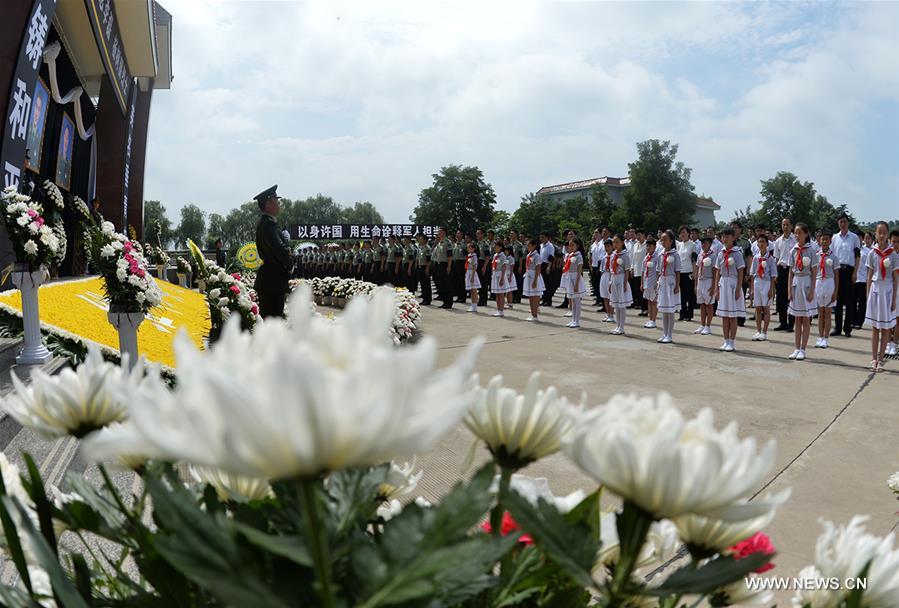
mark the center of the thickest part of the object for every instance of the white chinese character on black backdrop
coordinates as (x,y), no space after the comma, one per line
(313,232)
(337,231)
(302,232)
(11,175)
(375,231)
(325,232)
(385,231)
(354,231)
(18,116)
(37,34)
(407,230)
(364,232)
(426,230)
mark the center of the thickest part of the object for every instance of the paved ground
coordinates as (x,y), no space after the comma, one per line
(835,422)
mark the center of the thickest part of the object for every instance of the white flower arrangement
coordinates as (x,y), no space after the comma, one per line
(33,241)
(53,193)
(893,482)
(124,269)
(83,210)
(183,265)
(227,294)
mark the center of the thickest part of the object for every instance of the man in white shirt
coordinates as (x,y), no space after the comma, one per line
(846,248)
(782,248)
(638,255)
(547,251)
(596,252)
(861,279)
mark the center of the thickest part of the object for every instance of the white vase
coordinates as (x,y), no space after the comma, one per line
(126,324)
(160,272)
(28,282)
(201,285)
(182,280)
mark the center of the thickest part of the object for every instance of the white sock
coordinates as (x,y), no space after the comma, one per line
(621,317)
(576,311)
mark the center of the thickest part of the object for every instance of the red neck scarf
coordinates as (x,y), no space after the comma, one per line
(615,262)
(761,270)
(883,258)
(529,262)
(727,258)
(468,261)
(495,261)
(567,262)
(705,254)
(823,265)
(665,262)
(799,250)
(646,264)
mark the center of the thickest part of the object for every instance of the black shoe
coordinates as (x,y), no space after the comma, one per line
(848,334)
(835,332)
(562,305)
(780,328)
(789,330)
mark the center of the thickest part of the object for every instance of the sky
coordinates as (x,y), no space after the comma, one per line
(365,101)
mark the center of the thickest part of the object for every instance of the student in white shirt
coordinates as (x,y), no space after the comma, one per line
(827,284)
(686,249)
(547,254)
(638,256)
(861,280)
(595,253)
(763,273)
(846,248)
(883,282)
(782,248)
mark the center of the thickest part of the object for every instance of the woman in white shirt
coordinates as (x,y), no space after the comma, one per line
(686,251)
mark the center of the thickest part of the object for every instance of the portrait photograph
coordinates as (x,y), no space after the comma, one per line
(36,122)
(64,156)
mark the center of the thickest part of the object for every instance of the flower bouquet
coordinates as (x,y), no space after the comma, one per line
(129,286)
(183,265)
(228,294)
(33,241)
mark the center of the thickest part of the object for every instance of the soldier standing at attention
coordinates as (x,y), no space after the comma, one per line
(519,253)
(484,255)
(390,275)
(407,266)
(460,252)
(442,258)
(374,270)
(271,280)
(423,269)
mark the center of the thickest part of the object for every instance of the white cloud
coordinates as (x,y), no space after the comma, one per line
(366,101)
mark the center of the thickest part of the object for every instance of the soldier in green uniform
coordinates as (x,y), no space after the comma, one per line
(390,274)
(423,269)
(367,257)
(407,267)
(374,270)
(484,252)
(519,252)
(271,280)
(400,278)
(460,251)
(442,258)
(357,262)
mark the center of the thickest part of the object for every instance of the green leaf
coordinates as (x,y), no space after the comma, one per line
(96,512)
(291,547)
(42,505)
(82,576)
(62,586)
(16,597)
(854,599)
(572,547)
(512,592)
(717,573)
(355,495)
(633,525)
(588,512)
(13,544)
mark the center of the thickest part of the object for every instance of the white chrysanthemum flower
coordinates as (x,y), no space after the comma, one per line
(121,274)
(23,220)
(107,228)
(30,247)
(295,399)
(139,297)
(644,451)
(231,487)
(893,482)
(660,545)
(73,402)
(389,510)
(401,480)
(215,293)
(739,593)
(107,251)
(814,594)
(717,535)
(534,488)
(843,552)
(520,428)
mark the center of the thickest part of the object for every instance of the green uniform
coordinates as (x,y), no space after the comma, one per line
(271,280)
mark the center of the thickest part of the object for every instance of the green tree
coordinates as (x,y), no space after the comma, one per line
(361,213)
(785,196)
(154,211)
(192,225)
(458,199)
(501,222)
(240,225)
(660,194)
(533,215)
(603,208)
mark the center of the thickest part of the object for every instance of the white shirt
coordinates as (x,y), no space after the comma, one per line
(638,255)
(685,250)
(862,276)
(717,246)
(844,247)
(782,248)
(597,250)
(547,251)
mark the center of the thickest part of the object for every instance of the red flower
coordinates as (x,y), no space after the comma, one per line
(254,309)
(508,526)
(757,543)
(234,289)
(236,275)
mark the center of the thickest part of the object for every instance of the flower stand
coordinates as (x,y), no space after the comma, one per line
(28,282)
(160,272)
(183,280)
(126,324)
(201,285)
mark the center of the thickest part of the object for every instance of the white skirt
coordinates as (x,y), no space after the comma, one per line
(760,289)
(800,305)
(495,286)
(702,292)
(472,281)
(570,281)
(620,295)
(824,293)
(668,300)
(879,313)
(604,286)
(730,305)
(511,282)
(528,290)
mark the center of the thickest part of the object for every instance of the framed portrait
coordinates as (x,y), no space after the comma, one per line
(35,142)
(64,154)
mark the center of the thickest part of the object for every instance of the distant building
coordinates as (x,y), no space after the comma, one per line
(705,206)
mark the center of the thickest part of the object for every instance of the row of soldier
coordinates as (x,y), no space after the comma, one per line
(416,263)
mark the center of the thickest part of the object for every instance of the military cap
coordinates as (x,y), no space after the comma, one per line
(263,196)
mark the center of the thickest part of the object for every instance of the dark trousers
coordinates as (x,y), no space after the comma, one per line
(861,304)
(423,279)
(845,300)
(594,284)
(485,277)
(458,277)
(271,290)
(637,291)
(442,281)
(784,317)
(547,298)
(555,278)
(519,278)
(687,296)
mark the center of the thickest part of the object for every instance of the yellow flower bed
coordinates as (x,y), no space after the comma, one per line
(77,309)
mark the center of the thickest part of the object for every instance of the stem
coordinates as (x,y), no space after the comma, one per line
(633,526)
(496,515)
(318,543)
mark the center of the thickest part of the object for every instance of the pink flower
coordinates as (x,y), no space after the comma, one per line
(127,246)
(236,275)
(32,213)
(757,543)
(254,309)
(234,289)
(39,221)
(140,272)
